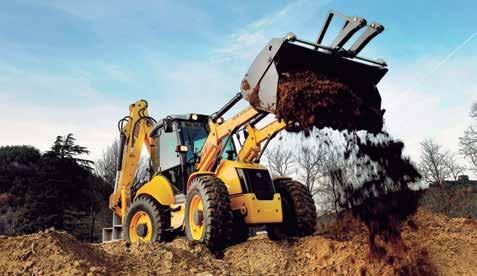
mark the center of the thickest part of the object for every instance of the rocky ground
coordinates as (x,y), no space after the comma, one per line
(433,244)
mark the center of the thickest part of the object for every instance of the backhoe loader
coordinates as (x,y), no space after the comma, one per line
(207,181)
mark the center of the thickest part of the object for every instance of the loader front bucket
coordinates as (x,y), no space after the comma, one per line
(312,87)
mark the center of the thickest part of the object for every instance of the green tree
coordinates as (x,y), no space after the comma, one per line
(65,147)
(54,189)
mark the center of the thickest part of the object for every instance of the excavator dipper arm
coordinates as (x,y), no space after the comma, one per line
(133,135)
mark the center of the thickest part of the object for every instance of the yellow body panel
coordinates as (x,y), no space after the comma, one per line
(258,211)
(228,174)
(194,175)
(255,211)
(160,189)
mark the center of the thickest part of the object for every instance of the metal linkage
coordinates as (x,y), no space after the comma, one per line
(341,52)
(226,107)
(371,31)
(350,27)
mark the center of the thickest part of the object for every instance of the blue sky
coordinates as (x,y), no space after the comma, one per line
(74,66)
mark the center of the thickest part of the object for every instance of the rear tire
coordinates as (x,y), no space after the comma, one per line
(299,211)
(208,214)
(158,219)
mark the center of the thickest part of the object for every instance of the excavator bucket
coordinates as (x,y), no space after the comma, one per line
(268,78)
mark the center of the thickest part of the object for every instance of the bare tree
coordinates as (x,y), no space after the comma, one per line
(144,171)
(106,167)
(434,163)
(8,213)
(280,160)
(310,165)
(327,195)
(436,166)
(468,142)
(453,166)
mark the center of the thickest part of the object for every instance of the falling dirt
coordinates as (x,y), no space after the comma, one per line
(432,244)
(316,100)
(373,178)
(374,181)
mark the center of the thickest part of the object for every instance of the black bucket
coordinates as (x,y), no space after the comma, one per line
(260,84)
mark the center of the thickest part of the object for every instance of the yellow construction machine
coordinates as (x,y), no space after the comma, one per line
(202,184)
(207,180)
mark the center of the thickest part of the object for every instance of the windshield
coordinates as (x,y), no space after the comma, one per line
(194,135)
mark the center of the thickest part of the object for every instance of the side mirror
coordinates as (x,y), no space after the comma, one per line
(167,125)
(182,149)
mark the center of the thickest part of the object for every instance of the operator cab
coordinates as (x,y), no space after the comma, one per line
(180,139)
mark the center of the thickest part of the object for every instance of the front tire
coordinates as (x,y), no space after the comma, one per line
(208,217)
(146,220)
(299,211)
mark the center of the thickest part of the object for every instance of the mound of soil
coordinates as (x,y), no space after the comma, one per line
(49,252)
(432,244)
(316,100)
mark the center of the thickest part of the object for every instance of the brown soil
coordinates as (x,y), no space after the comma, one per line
(436,245)
(316,100)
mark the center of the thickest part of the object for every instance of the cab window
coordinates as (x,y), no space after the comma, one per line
(169,159)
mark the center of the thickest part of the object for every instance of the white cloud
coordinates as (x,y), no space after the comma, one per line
(43,86)
(118,73)
(246,42)
(128,18)
(434,106)
(418,105)
(34,110)
(198,87)
(243,46)
(93,126)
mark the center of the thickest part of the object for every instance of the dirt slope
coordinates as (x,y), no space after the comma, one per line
(438,246)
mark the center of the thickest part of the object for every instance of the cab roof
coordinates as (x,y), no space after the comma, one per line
(179,117)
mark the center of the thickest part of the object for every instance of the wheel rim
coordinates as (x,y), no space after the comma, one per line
(196,218)
(139,221)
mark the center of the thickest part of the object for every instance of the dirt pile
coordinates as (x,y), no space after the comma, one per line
(433,244)
(317,100)
(49,252)
(55,252)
